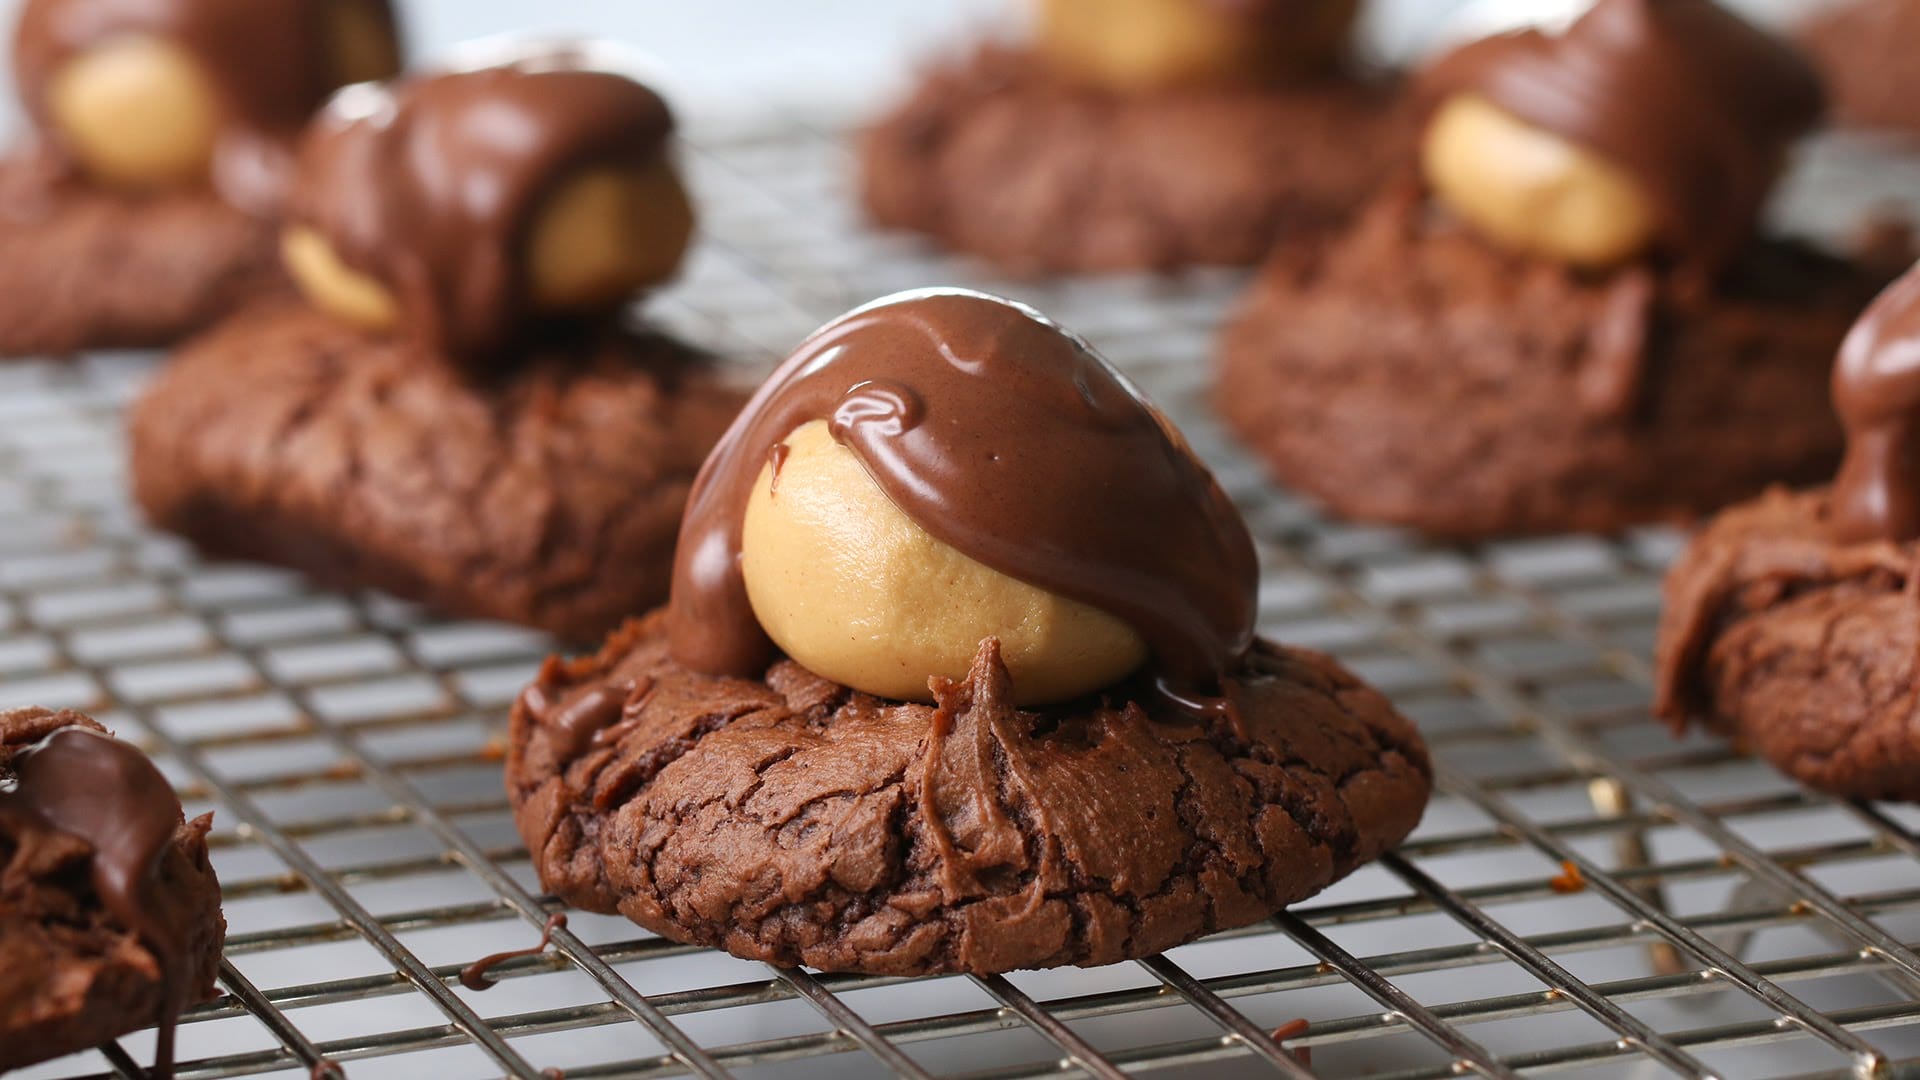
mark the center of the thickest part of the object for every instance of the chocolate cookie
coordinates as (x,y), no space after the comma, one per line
(549,495)
(792,820)
(109,910)
(1865,51)
(998,157)
(1799,647)
(85,268)
(1413,374)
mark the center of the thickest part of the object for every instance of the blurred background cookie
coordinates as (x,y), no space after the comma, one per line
(139,207)
(1139,134)
(461,408)
(1572,317)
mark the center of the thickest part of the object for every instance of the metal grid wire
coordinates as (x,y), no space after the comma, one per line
(1586,892)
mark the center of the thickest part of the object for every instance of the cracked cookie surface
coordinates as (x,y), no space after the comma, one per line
(1409,373)
(84,269)
(994,156)
(71,976)
(1805,650)
(796,821)
(550,496)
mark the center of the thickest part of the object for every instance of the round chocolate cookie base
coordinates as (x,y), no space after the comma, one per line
(549,495)
(1411,374)
(796,821)
(1864,49)
(1800,648)
(82,268)
(997,157)
(71,977)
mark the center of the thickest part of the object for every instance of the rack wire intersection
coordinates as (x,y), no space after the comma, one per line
(1586,895)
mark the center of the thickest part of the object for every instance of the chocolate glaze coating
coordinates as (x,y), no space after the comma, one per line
(1876,390)
(91,786)
(1694,101)
(1009,439)
(266,59)
(430,185)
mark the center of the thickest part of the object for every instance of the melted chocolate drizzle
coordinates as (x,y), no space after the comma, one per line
(475,975)
(1697,103)
(1876,390)
(107,793)
(267,61)
(430,185)
(1010,440)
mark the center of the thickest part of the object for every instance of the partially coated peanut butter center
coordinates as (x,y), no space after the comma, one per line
(1531,190)
(151,94)
(606,234)
(599,238)
(1147,45)
(465,209)
(942,466)
(136,112)
(333,286)
(1647,127)
(851,588)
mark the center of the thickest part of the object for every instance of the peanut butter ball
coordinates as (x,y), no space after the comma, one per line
(1533,191)
(333,286)
(137,112)
(1646,127)
(470,209)
(599,239)
(1138,46)
(607,234)
(943,467)
(856,592)
(145,95)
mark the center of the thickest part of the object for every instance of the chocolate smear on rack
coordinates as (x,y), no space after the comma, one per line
(270,63)
(476,976)
(105,792)
(431,185)
(1698,104)
(1876,390)
(1010,440)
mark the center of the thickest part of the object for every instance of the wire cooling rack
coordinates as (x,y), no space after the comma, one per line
(1586,892)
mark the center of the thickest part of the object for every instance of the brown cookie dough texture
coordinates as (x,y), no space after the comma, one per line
(1413,375)
(1799,648)
(71,977)
(1865,51)
(791,820)
(998,157)
(83,268)
(549,496)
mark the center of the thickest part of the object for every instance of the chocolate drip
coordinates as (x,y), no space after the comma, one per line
(596,710)
(1876,390)
(474,975)
(1008,439)
(1694,101)
(107,793)
(267,60)
(430,186)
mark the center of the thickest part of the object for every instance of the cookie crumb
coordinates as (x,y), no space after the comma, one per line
(1568,880)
